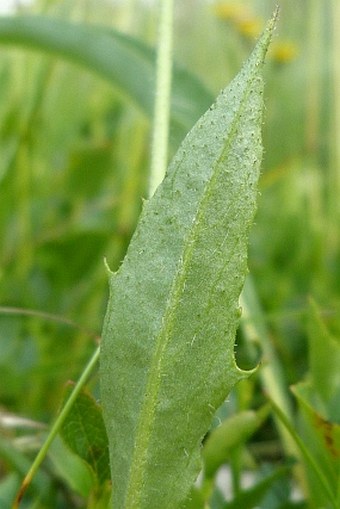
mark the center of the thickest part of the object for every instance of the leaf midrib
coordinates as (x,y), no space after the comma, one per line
(144,427)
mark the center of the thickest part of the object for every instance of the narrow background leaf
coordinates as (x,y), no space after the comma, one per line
(116,57)
(324,362)
(318,402)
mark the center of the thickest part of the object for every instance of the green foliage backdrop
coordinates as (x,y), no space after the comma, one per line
(74,145)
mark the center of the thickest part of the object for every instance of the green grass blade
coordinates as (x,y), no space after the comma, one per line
(167,358)
(308,456)
(124,61)
(271,372)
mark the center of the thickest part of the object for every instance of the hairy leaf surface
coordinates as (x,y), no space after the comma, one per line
(167,360)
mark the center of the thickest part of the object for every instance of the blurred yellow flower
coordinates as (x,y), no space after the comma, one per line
(245,22)
(283,51)
(249,27)
(229,11)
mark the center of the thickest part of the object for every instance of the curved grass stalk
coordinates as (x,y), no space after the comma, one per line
(271,372)
(50,317)
(56,428)
(158,168)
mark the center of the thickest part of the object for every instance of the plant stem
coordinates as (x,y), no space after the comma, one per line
(314,90)
(160,135)
(55,428)
(335,80)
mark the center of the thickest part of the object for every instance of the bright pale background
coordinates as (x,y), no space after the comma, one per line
(7,6)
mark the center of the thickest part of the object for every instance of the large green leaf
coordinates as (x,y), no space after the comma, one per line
(167,360)
(126,62)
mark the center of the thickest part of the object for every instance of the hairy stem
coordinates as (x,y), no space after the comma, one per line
(160,136)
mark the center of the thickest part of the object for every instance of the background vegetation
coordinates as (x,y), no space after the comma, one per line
(73,171)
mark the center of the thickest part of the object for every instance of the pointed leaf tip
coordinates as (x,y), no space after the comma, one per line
(267,34)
